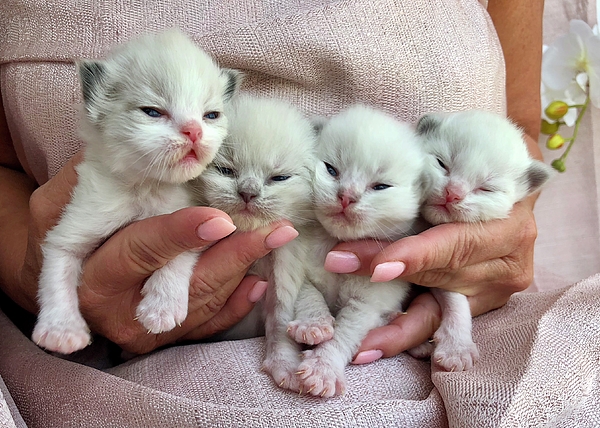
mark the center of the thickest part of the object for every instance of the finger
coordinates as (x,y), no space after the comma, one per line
(450,247)
(353,257)
(239,304)
(421,320)
(134,253)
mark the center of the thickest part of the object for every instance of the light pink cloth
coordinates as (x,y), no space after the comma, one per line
(540,352)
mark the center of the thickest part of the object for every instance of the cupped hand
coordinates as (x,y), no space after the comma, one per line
(487,262)
(114,274)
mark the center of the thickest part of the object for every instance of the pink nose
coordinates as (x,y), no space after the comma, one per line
(346,200)
(452,196)
(192,130)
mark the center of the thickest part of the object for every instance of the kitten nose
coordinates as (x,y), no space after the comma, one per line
(192,130)
(247,197)
(346,200)
(452,195)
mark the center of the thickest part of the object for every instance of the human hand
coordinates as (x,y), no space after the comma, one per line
(487,262)
(114,274)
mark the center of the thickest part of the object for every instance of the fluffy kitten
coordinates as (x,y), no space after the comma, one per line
(153,120)
(478,167)
(262,174)
(366,185)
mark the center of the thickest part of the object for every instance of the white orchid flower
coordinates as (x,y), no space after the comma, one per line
(568,57)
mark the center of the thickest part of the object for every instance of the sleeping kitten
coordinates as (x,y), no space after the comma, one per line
(367,185)
(262,174)
(478,168)
(153,120)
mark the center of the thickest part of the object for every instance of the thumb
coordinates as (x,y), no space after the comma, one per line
(135,252)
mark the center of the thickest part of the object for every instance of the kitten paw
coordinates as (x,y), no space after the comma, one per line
(313,331)
(283,373)
(319,377)
(63,336)
(159,314)
(422,351)
(455,356)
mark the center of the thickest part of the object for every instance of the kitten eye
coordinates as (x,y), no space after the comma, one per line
(224,171)
(212,115)
(331,170)
(381,186)
(440,163)
(152,112)
(280,177)
(485,189)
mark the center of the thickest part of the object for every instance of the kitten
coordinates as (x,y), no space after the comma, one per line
(262,174)
(153,119)
(478,167)
(366,185)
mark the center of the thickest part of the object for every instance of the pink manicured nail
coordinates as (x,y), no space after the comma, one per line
(280,237)
(387,271)
(366,357)
(214,229)
(341,262)
(257,291)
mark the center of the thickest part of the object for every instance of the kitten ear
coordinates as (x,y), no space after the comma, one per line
(428,123)
(91,74)
(537,175)
(234,81)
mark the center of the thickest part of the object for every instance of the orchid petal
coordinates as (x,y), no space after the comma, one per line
(559,63)
(581,28)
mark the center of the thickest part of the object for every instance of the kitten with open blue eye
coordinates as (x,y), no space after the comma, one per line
(478,167)
(153,119)
(262,174)
(367,185)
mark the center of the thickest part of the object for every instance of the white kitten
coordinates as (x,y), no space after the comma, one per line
(367,185)
(153,120)
(478,168)
(262,174)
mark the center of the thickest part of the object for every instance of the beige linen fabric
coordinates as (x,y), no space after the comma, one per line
(540,352)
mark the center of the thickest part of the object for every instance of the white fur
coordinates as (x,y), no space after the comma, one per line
(262,174)
(134,168)
(367,148)
(487,169)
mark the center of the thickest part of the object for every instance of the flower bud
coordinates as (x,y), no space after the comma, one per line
(559,165)
(549,128)
(556,110)
(555,141)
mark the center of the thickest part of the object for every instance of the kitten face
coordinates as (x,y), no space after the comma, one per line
(367,182)
(262,173)
(156,106)
(478,167)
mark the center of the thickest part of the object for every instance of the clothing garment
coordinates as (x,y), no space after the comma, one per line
(539,353)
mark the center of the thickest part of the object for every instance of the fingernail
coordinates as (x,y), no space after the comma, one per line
(366,357)
(257,291)
(341,262)
(280,237)
(387,271)
(214,229)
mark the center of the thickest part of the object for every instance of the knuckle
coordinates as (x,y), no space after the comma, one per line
(144,257)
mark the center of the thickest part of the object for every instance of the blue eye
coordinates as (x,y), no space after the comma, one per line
(331,170)
(224,171)
(212,115)
(280,177)
(152,112)
(381,186)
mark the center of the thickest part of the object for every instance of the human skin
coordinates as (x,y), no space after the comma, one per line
(486,262)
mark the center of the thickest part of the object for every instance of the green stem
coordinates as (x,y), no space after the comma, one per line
(576,129)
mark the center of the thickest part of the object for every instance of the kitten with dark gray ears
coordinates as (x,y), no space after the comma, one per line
(367,185)
(153,119)
(477,168)
(262,174)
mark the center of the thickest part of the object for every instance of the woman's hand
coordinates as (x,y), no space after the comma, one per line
(114,274)
(487,262)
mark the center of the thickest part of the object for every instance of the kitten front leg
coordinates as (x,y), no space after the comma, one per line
(454,347)
(165,301)
(60,326)
(313,323)
(365,306)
